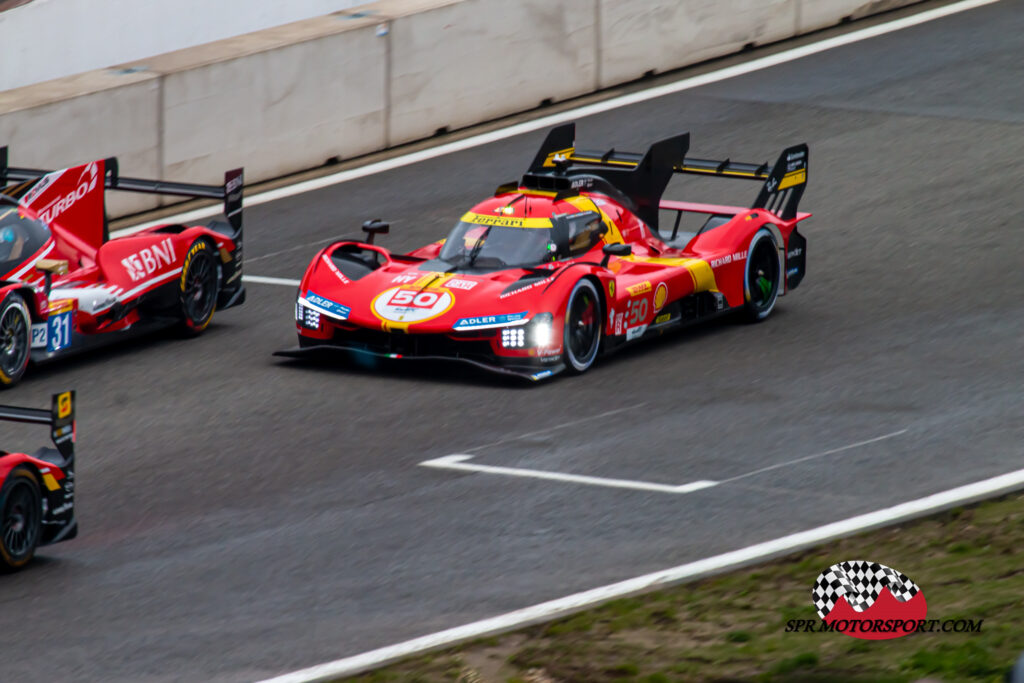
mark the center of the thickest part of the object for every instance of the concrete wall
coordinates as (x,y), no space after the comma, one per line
(288,98)
(49,39)
(476,60)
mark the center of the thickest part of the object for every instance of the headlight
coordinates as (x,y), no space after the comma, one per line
(541,329)
(513,337)
(307,317)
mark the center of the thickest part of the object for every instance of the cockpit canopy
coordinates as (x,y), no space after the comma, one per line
(20,236)
(480,241)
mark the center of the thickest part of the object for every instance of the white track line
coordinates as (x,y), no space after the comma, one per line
(458,462)
(571,114)
(261,280)
(553,609)
(813,457)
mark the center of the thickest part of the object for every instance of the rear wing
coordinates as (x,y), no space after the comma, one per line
(230,192)
(641,176)
(60,417)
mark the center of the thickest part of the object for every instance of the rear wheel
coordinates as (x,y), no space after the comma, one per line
(582,336)
(21,512)
(15,339)
(763,276)
(198,287)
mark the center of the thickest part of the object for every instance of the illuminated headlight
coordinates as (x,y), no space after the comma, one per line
(513,337)
(541,330)
(307,316)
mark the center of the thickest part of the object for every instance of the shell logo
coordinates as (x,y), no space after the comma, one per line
(660,296)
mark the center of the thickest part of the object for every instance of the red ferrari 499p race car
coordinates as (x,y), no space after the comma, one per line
(65,286)
(565,264)
(37,491)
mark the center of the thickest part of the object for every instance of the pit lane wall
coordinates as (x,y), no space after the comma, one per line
(292,97)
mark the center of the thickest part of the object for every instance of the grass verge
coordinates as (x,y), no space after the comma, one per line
(969,562)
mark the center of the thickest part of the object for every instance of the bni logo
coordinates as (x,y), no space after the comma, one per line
(868,600)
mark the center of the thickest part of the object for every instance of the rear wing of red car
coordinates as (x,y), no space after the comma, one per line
(642,178)
(60,417)
(49,191)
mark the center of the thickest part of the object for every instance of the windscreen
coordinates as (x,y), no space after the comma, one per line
(20,238)
(471,245)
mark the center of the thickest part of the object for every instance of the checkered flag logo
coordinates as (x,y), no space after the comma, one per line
(860,583)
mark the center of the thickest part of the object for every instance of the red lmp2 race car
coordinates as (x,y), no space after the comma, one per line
(566,264)
(66,287)
(37,491)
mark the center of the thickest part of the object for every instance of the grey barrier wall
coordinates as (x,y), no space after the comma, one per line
(289,98)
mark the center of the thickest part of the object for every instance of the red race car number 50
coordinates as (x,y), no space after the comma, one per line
(404,297)
(404,305)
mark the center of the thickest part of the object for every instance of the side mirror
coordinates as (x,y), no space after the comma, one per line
(618,249)
(374,226)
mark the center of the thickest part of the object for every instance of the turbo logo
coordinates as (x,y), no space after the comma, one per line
(868,600)
(86,184)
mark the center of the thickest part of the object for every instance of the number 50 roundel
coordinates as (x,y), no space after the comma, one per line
(404,305)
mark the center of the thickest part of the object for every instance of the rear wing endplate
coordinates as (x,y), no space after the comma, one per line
(60,417)
(230,192)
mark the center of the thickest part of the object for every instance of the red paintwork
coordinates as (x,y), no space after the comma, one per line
(121,270)
(485,297)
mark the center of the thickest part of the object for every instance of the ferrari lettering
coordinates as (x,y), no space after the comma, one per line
(149,260)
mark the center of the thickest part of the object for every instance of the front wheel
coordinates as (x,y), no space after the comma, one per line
(198,287)
(763,276)
(15,339)
(21,512)
(582,336)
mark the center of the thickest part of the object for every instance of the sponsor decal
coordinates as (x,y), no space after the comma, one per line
(486,321)
(618,323)
(410,305)
(403,279)
(611,318)
(64,405)
(611,288)
(663,318)
(461,284)
(660,296)
(334,269)
(868,600)
(149,260)
(38,335)
(640,288)
(792,271)
(728,258)
(635,332)
(526,288)
(793,253)
(86,183)
(325,305)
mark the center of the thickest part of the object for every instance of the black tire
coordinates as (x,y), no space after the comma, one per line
(21,515)
(582,333)
(763,276)
(15,339)
(198,287)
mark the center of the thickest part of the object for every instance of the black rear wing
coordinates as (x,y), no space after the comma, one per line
(783,184)
(230,192)
(60,417)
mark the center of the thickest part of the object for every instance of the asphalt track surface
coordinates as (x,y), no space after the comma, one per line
(244,515)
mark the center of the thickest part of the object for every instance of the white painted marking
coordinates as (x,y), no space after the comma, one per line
(571,114)
(458,462)
(261,280)
(813,457)
(560,607)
